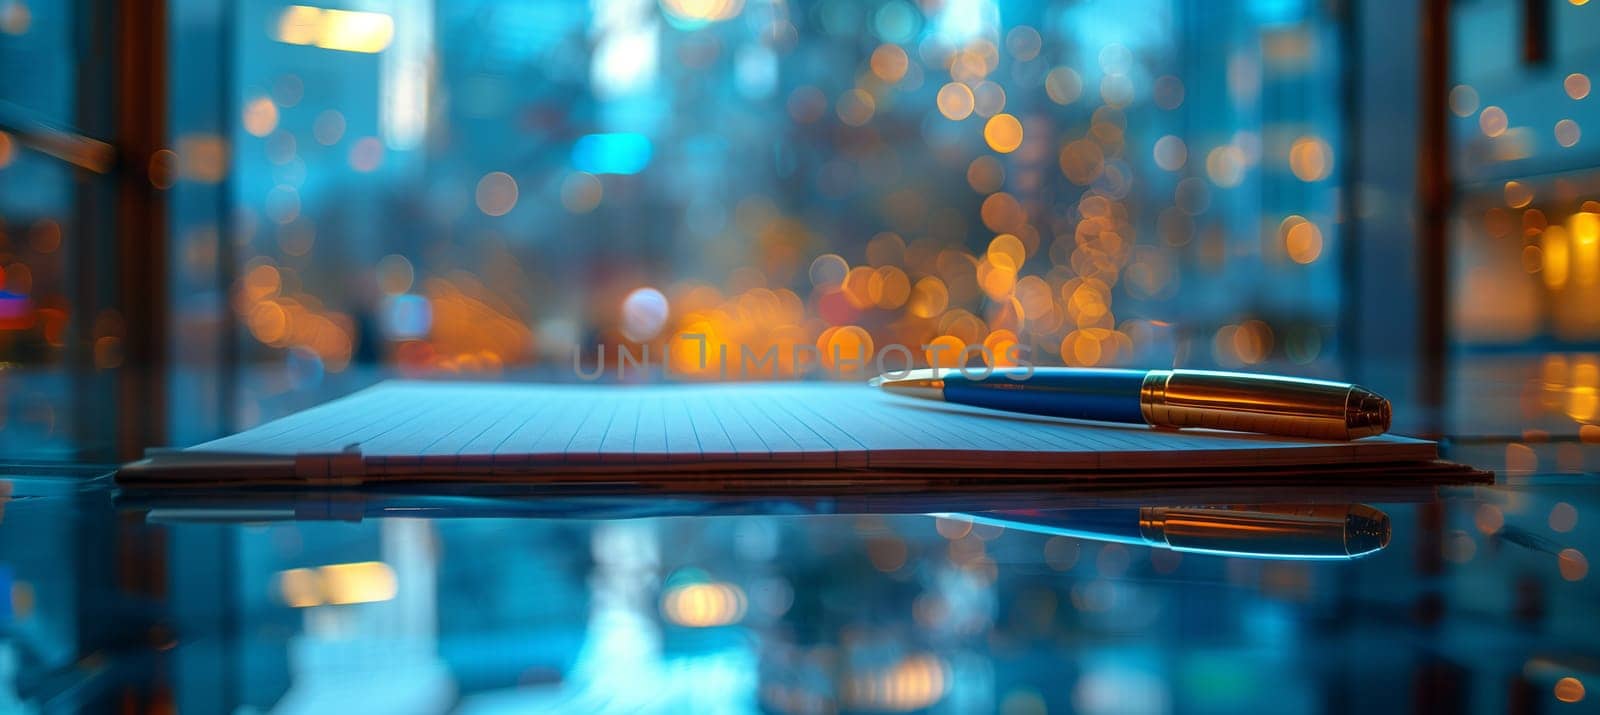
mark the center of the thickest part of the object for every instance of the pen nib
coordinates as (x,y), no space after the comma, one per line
(926,384)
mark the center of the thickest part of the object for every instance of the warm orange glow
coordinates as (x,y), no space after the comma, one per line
(1225,165)
(1311,159)
(343,30)
(1488,519)
(858,287)
(299,25)
(1006,251)
(300,588)
(202,158)
(1576,85)
(1088,301)
(260,116)
(364,582)
(913,684)
(1002,213)
(996,281)
(1570,689)
(946,351)
(8,150)
(1584,228)
(261,282)
(999,346)
(1493,121)
(1003,133)
(1303,242)
(962,325)
(268,322)
(952,528)
(1037,304)
(466,323)
(929,297)
(704,605)
(955,101)
(703,10)
(1521,460)
(849,350)
(974,63)
(1082,161)
(338,584)
(1252,341)
(1583,394)
(1574,566)
(1556,254)
(1583,403)
(889,63)
(1518,194)
(1080,348)
(889,287)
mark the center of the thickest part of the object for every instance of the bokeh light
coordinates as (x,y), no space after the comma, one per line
(1576,85)
(1003,133)
(1493,121)
(1311,159)
(644,314)
(955,101)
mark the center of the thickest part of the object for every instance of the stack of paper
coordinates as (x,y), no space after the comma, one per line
(420,431)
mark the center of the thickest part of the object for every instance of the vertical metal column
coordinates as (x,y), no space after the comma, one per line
(1433,204)
(139,116)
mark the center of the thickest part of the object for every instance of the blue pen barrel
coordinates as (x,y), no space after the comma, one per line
(1075,393)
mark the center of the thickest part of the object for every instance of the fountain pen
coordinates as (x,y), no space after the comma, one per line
(1240,402)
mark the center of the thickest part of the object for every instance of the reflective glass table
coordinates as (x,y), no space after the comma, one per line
(1294,597)
(1288,598)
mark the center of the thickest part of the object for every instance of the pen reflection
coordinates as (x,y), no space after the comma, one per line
(1261,531)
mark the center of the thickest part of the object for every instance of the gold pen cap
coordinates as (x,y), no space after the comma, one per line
(1288,406)
(1306,531)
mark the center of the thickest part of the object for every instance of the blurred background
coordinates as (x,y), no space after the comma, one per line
(212,213)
